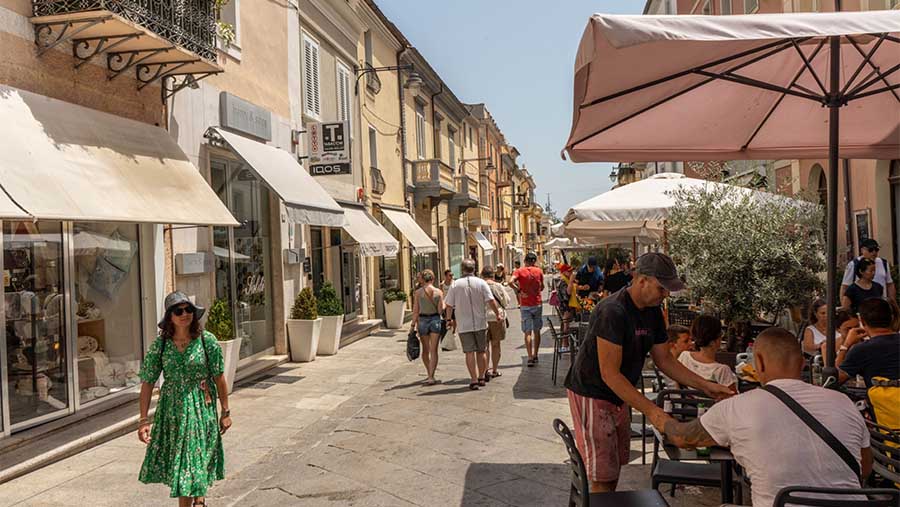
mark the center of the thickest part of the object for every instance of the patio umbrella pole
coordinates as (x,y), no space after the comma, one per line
(834,104)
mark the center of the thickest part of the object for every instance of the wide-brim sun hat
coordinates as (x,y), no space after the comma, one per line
(179,298)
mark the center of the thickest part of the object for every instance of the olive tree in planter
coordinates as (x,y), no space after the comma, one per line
(332,312)
(394,308)
(221,324)
(304,327)
(746,256)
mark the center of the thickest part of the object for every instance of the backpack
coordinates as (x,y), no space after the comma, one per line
(883,396)
(884,262)
(562,292)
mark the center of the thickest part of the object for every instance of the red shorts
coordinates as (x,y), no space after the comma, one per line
(602,435)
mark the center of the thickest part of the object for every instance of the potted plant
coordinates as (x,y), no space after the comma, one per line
(221,324)
(394,307)
(304,327)
(332,312)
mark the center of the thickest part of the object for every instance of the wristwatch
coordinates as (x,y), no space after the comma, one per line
(843,348)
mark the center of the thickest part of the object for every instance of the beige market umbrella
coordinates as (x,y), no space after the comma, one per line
(763,86)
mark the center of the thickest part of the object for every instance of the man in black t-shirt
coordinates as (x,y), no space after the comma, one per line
(601,382)
(877,357)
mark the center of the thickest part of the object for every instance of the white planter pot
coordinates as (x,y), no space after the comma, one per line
(330,336)
(393,314)
(304,339)
(231,349)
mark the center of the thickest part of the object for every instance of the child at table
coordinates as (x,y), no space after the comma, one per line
(706,333)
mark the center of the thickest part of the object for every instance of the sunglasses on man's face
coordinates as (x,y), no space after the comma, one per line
(178,312)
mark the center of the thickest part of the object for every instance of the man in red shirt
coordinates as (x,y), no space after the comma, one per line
(529,281)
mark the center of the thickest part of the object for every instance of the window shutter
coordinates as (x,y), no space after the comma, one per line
(312,103)
(343,90)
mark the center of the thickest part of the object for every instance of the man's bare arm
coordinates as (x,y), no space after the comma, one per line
(609,356)
(687,435)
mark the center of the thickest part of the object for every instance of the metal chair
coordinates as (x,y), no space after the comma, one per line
(885,444)
(794,496)
(580,495)
(557,346)
(665,471)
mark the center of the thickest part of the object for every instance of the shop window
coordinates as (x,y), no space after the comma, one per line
(37,366)
(107,308)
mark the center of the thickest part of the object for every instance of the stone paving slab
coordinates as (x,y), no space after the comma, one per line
(360,429)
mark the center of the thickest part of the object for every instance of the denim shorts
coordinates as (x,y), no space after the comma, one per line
(429,324)
(531,318)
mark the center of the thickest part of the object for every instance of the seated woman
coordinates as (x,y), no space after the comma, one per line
(706,332)
(844,322)
(865,287)
(814,333)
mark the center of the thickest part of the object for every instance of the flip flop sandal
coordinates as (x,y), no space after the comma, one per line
(530,363)
(487,377)
(473,386)
(496,374)
(481,382)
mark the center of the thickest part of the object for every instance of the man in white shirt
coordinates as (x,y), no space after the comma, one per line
(775,447)
(466,307)
(869,250)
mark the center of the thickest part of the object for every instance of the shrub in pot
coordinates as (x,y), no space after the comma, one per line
(394,308)
(221,324)
(331,310)
(304,326)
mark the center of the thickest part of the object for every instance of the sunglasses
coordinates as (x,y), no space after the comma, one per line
(178,312)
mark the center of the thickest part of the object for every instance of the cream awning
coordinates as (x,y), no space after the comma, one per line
(306,201)
(411,231)
(483,242)
(61,161)
(374,240)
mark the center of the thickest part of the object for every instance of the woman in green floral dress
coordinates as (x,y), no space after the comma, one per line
(184,448)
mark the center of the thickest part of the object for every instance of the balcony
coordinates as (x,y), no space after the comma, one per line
(432,179)
(168,41)
(503,224)
(522,202)
(466,195)
(480,216)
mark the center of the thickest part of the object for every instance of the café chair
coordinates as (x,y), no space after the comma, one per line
(557,347)
(885,444)
(684,404)
(580,495)
(797,496)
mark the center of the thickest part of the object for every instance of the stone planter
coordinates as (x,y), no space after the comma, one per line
(303,336)
(330,336)
(393,314)
(231,350)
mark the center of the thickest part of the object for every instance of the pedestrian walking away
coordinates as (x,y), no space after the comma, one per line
(465,306)
(184,442)
(428,303)
(496,326)
(601,382)
(528,282)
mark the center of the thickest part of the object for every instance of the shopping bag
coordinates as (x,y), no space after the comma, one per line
(449,342)
(412,345)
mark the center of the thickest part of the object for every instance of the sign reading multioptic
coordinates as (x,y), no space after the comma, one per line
(328,148)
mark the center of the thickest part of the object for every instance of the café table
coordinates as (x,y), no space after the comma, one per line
(722,455)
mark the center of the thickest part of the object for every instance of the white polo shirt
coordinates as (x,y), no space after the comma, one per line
(777,449)
(469,297)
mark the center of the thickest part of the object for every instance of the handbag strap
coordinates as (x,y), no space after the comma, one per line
(817,427)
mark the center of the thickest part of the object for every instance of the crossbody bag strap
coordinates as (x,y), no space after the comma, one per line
(817,427)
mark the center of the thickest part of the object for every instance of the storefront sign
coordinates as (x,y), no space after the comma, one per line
(193,263)
(329,143)
(239,115)
(329,169)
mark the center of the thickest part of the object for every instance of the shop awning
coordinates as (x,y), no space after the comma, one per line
(483,243)
(411,231)
(61,161)
(306,201)
(374,240)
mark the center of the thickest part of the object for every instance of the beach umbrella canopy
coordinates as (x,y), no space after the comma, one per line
(762,86)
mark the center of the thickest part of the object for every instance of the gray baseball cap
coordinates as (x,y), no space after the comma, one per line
(179,298)
(661,267)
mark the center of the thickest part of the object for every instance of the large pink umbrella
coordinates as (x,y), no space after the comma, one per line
(764,86)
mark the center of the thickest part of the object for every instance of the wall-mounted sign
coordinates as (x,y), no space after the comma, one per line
(239,115)
(328,144)
(329,169)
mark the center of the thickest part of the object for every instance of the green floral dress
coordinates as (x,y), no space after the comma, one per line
(185,450)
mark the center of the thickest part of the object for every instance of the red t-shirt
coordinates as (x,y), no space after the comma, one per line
(531,281)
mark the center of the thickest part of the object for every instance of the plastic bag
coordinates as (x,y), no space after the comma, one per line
(412,345)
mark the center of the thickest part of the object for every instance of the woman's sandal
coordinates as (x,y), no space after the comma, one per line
(199,503)
(496,374)
(473,386)
(481,382)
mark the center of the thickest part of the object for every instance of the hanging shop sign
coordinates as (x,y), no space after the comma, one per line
(328,148)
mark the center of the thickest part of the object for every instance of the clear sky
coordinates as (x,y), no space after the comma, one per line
(517,56)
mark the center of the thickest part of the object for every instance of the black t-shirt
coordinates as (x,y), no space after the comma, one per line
(617,320)
(617,281)
(857,294)
(878,357)
(585,277)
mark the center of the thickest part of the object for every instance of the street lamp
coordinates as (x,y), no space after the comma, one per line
(413,81)
(489,166)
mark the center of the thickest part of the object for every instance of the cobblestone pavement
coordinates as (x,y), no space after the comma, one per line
(360,429)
